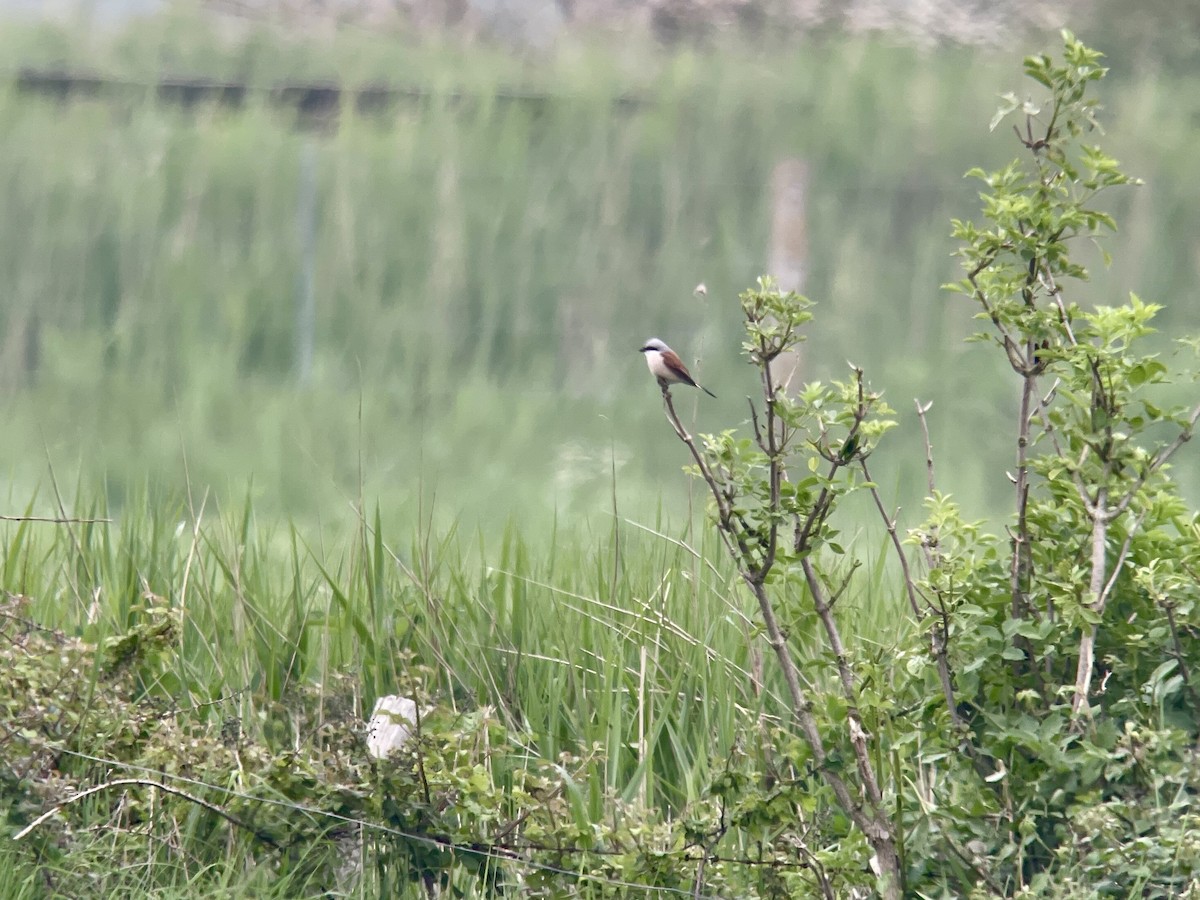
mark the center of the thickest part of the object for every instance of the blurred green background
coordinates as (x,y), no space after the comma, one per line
(486,259)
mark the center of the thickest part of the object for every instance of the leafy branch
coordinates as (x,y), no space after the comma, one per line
(827,432)
(1016,267)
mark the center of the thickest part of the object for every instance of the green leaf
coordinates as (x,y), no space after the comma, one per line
(1009,102)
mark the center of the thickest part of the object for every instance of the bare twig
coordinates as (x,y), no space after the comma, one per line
(922,409)
(724,510)
(939,637)
(910,586)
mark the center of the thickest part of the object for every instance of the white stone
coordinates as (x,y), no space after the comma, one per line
(392,723)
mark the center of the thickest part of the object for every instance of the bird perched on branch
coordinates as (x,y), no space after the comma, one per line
(665,365)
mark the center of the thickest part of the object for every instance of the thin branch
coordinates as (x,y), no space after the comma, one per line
(1182,438)
(144,782)
(758,438)
(823,506)
(819,512)
(837,595)
(929,541)
(775,447)
(1087,641)
(980,871)
(865,812)
(1049,429)
(1015,359)
(876,829)
(1159,460)
(858,736)
(1178,653)
(1046,277)
(939,638)
(1099,586)
(724,511)
(910,586)
(1022,563)
(921,411)
(1120,563)
(802,709)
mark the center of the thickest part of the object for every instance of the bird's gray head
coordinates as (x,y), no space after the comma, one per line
(654,344)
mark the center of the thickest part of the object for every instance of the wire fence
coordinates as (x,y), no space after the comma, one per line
(517,854)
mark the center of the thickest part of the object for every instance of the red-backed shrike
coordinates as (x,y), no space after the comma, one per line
(665,365)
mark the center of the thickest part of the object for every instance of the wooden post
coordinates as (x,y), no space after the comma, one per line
(788,258)
(20,349)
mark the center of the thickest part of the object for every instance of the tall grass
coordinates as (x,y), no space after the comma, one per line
(627,639)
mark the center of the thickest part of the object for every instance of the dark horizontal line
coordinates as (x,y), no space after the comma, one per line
(312,98)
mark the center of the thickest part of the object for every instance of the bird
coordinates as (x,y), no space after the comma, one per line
(665,365)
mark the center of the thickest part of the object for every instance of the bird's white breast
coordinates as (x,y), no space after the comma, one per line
(658,368)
